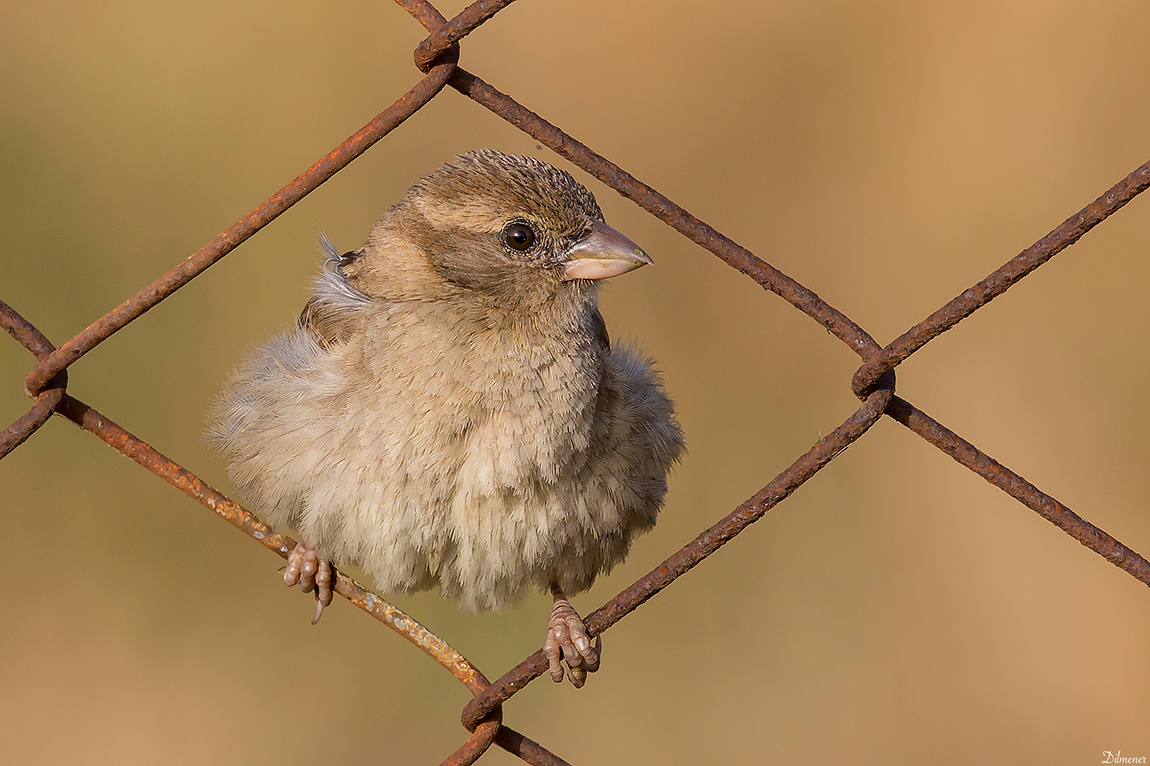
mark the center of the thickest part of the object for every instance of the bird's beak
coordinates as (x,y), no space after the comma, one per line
(602,254)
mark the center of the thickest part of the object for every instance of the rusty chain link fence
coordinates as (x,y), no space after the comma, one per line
(874,382)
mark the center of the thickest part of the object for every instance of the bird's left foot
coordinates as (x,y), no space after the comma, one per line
(312,573)
(567,641)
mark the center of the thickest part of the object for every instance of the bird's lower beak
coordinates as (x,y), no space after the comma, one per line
(602,254)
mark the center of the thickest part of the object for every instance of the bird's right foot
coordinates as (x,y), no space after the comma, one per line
(568,642)
(311,573)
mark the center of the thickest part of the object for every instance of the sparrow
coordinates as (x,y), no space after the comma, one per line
(449,410)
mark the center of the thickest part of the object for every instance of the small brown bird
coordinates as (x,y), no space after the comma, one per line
(449,410)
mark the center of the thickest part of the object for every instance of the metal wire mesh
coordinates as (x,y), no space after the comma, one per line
(873,383)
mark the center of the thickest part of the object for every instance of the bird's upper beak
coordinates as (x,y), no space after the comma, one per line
(602,254)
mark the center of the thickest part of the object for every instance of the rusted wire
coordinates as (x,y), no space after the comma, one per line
(530,751)
(873,382)
(47,400)
(323,169)
(476,745)
(653,202)
(448,33)
(230,511)
(699,232)
(695,551)
(1000,281)
(24,332)
(432,645)
(1019,488)
(28,423)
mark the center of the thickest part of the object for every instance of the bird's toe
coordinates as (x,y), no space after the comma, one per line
(312,573)
(568,643)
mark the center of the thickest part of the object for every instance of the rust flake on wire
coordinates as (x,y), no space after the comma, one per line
(874,382)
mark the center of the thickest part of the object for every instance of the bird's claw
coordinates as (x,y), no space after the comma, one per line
(311,573)
(567,641)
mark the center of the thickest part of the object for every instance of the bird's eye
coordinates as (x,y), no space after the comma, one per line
(519,236)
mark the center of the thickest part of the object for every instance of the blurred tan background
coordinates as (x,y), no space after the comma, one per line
(887,155)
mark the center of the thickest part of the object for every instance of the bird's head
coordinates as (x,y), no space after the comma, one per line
(498,226)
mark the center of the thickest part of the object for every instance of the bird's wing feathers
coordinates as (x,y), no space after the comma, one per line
(330,314)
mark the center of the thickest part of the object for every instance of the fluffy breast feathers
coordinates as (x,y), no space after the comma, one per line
(437,443)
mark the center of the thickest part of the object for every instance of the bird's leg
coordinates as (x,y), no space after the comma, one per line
(312,573)
(567,640)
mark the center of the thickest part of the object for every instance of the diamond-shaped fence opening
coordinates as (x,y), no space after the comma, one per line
(873,383)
